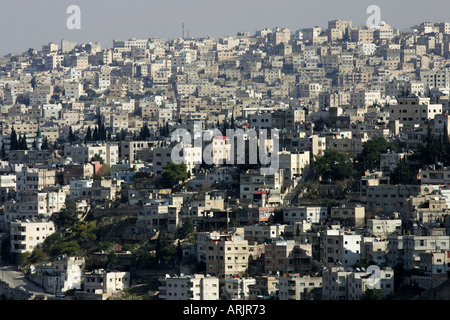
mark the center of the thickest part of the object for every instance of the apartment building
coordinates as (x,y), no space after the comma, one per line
(229,256)
(35,179)
(287,256)
(260,233)
(100,284)
(265,287)
(238,288)
(83,153)
(342,284)
(414,245)
(64,274)
(406,249)
(375,249)
(382,228)
(128,149)
(359,282)
(296,287)
(389,161)
(311,214)
(189,287)
(377,195)
(159,215)
(294,165)
(414,111)
(348,215)
(260,189)
(73,90)
(342,247)
(435,79)
(314,144)
(191,156)
(27,235)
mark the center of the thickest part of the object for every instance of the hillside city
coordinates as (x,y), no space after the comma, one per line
(119,179)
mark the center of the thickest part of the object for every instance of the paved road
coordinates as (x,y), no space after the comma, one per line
(17,280)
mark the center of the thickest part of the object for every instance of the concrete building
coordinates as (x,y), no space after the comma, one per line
(304,213)
(189,287)
(414,111)
(27,235)
(287,257)
(83,153)
(101,284)
(296,287)
(342,284)
(238,288)
(342,247)
(229,256)
(348,215)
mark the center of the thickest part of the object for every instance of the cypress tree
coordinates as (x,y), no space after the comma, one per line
(45,145)
(72,137)
(95,135)
(88,136)
(14,142)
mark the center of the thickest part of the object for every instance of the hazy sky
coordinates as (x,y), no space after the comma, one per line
(30,23)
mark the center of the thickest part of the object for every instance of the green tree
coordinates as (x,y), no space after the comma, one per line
(71,137)
(144,133)
(45,145)
(23,143)
(88,136)
(97,157)
(173,174)
(372,294)
(187,228)
(402,174)
(3,152)
(38,255)
(14,145)
(369,159)
(334,165)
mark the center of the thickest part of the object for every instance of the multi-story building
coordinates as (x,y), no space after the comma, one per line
(294,165)
(288,257)
(348,215)
(382,228)
(260,233)
(342,247)
(195,287)
(238,288)
(414,110)
(229,256)
(311,214)
(35,179)
(265,287)
(342,284)
(100,284)
(27,235)
(84,153)
(296,287)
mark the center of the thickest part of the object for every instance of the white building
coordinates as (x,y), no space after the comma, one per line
(238,288)
(84,153)
(101,284)
(27,235)
(304,213)
(190,287)
(345,284)
(342,247)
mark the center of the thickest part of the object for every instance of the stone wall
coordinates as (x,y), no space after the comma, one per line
(14,294)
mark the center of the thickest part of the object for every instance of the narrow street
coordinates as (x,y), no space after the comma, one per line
(17,280)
